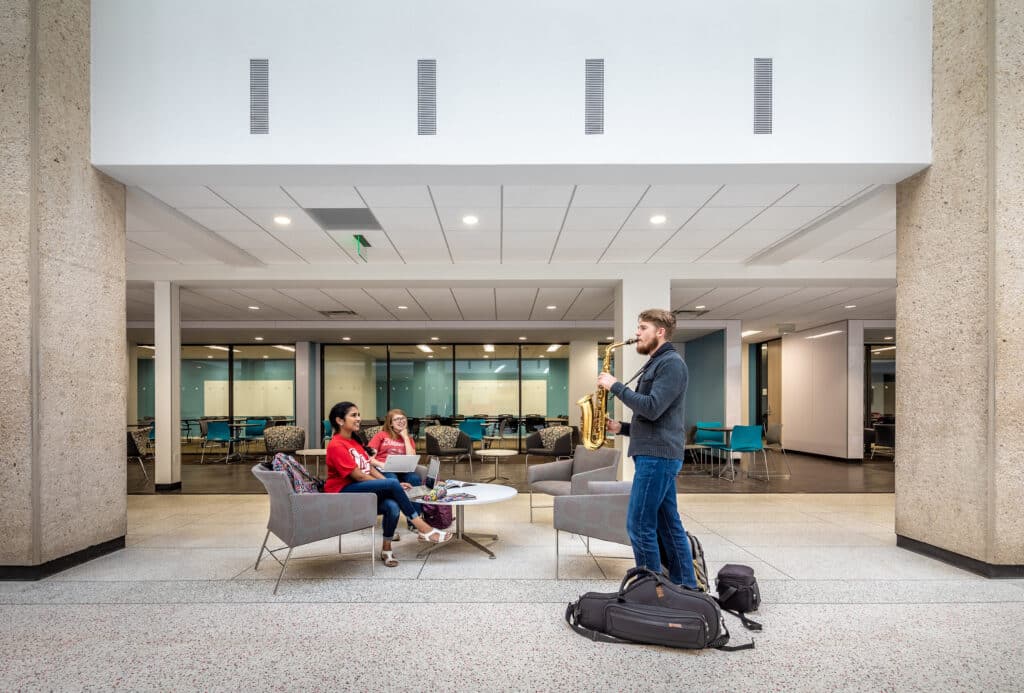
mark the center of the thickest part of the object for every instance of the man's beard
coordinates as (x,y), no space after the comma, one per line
(643,348)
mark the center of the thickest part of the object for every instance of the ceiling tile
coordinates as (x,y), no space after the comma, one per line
(586,239)
(220,219)
(489,219)
(476,304)
(439,304)
(377,255)
(514,303)
(532,218)
(484,254)
(276,256)
(679,195)
(179,196)
(467,196)
(876,249)
(514,254)
(300,221)
(537,196)
(396,195)
(250,241)
(254,197)
(752,195)
(159,240)
(646,238)
(358,300)
(731,218)
(608,195)
(576,255)
(391,299)
(667,254)
(590,303)
(596,218)
(405,219)
(134,222)
(697,238)
(687,297)
(314,299)
(785,218)
(325,196)
(675,217)
(139,255)
(561,298)
(821,195)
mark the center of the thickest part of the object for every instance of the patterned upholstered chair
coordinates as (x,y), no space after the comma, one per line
(302,518)
(448,442)
(554,441)
(136,444)
(285,439)
(571,477)
(600,513)
(370,431)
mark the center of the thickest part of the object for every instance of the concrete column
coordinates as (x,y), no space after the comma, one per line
(634,294)
(62,278)
(733,373)
(167,385)
(959,326)
(583,369)
(303,384)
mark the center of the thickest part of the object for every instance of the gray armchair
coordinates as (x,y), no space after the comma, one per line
(448,442)
(600,513)
(302,518)
(571,476)
(554,441)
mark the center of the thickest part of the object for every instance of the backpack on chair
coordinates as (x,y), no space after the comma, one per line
(301,480)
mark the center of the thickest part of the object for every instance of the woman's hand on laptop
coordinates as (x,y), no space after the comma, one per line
(406,486)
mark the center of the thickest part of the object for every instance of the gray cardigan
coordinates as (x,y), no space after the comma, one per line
(658,405)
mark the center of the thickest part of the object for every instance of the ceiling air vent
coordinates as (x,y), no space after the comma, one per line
(762,96)
(338,313)
(786,327)
(594,97)
(345,219)
(426,97)
(259,96)
(688,314)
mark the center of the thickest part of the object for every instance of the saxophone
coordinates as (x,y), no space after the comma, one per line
(594,407)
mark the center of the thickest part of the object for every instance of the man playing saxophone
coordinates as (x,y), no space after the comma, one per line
(657,446)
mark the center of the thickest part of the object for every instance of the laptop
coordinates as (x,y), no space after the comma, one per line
(432,472)
(399,464)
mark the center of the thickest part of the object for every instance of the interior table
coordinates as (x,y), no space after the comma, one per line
(483,494)
(496,453)
(316,453)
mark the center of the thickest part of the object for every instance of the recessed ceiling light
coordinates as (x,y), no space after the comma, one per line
(209,357)
(254,307)
(888,338)
(284,347)
(366,347)
(403,307)
(701,307)
(881,349)
(541,356)
(489,348)
(258,339)
(146,346)
(430,356)
(434,339)
(610,337)
(748,333)
(522,339)
(265,356)
(486,356)
(852,305)
(470,220)
(346,339)
(824,334)
(282,220)
(659,219)
(552,307)
(424,348)
(218,348)
(554,347)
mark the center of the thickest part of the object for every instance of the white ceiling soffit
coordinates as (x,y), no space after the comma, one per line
(172,229)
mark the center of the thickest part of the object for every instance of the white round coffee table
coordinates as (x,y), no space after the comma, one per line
(495,453)
(316,453)
(484,494)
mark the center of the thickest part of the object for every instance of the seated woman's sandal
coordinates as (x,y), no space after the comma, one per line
(441,537)
(388,557)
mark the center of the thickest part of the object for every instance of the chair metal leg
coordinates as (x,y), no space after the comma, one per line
(557,533)
(283,566)
(531,505)
(588,546)
(373,542)
(265,537)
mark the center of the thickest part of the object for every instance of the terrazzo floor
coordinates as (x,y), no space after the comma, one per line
(181,608)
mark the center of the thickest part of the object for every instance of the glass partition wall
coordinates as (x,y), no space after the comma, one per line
(488,390)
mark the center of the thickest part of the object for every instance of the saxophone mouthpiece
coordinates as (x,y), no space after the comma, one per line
(631,341)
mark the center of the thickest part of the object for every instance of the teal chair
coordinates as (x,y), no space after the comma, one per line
(218,433)
(253,430)
(327,432)
(474,428)
(744,439)
(709,441)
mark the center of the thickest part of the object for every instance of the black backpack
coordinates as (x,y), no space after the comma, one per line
(738,592)
(649,609)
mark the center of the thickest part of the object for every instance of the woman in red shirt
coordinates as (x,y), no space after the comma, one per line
(394,439)
(349,470)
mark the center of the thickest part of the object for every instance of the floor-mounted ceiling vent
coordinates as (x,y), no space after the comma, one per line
(259,96)
(762,96)
(426,97)
(593,119)
(345,219)
(338,313)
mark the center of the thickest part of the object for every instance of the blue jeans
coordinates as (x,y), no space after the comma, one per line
(391,501)
(411,478)
(653,520)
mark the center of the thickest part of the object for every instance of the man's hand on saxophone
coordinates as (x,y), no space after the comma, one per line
(606,380)
(613,426)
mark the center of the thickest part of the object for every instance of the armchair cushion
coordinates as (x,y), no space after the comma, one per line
(560,470)
(599,516)
(552,487)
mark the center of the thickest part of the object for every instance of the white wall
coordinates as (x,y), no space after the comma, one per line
(170,81)
(821,391)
